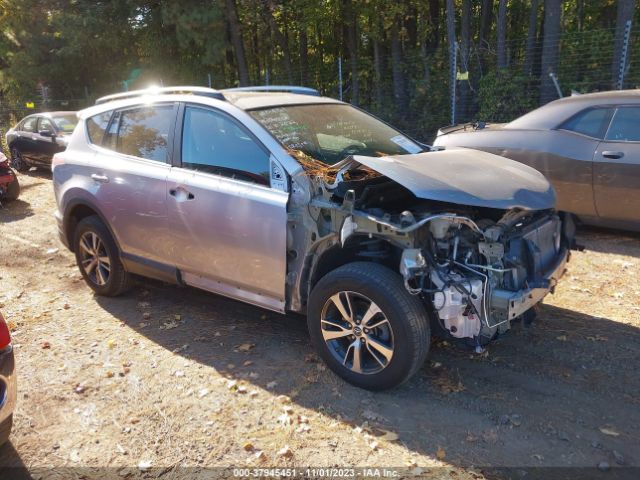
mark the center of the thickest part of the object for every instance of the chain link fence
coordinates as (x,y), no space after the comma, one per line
(415,94)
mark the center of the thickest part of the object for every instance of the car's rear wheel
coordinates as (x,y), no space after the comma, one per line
(17,161)
(367,327)
(98,258)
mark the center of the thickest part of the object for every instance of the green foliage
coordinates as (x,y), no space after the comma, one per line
(503,96)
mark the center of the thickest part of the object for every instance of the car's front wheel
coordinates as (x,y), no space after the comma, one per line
(367,327)
(98,258)
(17,161)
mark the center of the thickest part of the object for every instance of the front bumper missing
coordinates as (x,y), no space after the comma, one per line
(507,305)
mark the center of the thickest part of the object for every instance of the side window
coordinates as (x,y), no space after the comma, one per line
(29,125)
(214,143)
(591,122)
(97,126)
(144,132)
(625,125)
(45,124)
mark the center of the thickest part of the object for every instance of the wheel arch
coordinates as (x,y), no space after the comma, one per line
(357,248)
(78,209)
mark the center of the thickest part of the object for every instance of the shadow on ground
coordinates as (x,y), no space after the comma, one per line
(15,211)
(603,240)
(539,396)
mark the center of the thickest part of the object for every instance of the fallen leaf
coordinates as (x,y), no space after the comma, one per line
(440,453)
(109,374)
(45,345)
(609,431)
(111,343)
(260,455)
(177,318)
(241,389)
(389,436)
(285,452)
(245,347)
(232,384)
(562,338)
(248,446)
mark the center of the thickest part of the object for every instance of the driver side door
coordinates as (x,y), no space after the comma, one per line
(227,221)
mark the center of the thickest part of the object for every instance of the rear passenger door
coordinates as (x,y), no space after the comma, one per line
(616,176)
(129,176)
(228,223)
(27,139)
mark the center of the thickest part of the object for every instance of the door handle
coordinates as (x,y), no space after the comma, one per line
(181,194)
(608,154)
(100,178)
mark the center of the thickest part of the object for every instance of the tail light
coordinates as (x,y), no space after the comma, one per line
(5,336)
(56,160)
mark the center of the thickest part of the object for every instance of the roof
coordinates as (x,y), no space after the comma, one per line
(554,113)
(245,98)
(257,100)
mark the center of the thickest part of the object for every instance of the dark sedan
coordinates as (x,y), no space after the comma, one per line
(37,138)
(588,146)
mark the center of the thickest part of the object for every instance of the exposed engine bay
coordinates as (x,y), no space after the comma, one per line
(476,268)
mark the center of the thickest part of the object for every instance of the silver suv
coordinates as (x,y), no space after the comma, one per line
(296,202)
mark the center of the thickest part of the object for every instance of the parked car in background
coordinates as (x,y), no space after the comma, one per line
(9,186)
(8,388)
(588,146)
(303,203)
(37,138)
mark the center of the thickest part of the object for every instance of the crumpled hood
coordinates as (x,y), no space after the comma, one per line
(467,177)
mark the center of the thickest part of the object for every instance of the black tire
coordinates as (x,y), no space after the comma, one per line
(118,279)
(17,161)
(405,313)
(5,429)
(13,191)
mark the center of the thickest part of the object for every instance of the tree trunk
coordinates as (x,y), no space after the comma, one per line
(303,46)
(235,35)
(625,13)
(531,37)
(485,22)
(451,43)
(399,92)
(550,43)
(501,32)
(267,13)
(377,73)
(465,34)
(434,21)
(352,47)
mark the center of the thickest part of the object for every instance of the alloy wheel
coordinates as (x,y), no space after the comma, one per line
(357,332)
(94,258)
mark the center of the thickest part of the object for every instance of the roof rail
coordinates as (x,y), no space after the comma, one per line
(276,88)
(201,91)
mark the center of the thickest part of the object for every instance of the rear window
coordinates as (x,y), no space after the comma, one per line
(144,132)
(29,125)
(97,126)
(591,122)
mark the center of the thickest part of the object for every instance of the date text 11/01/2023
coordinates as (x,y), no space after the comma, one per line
(363,472)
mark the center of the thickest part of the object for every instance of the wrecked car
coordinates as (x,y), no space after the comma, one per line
(301,203)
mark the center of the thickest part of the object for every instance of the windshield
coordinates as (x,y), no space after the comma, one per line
(331,132)
(65,123)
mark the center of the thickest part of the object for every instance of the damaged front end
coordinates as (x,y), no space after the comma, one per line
(477,265)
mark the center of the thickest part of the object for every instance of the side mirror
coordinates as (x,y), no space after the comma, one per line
(46,133)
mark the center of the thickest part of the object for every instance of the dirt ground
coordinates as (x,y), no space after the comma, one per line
(167,377)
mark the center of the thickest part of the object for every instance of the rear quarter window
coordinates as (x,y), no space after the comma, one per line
(592,122)
(97,126)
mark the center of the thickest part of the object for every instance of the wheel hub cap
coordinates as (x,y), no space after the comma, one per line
(94,259)
(357,333)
